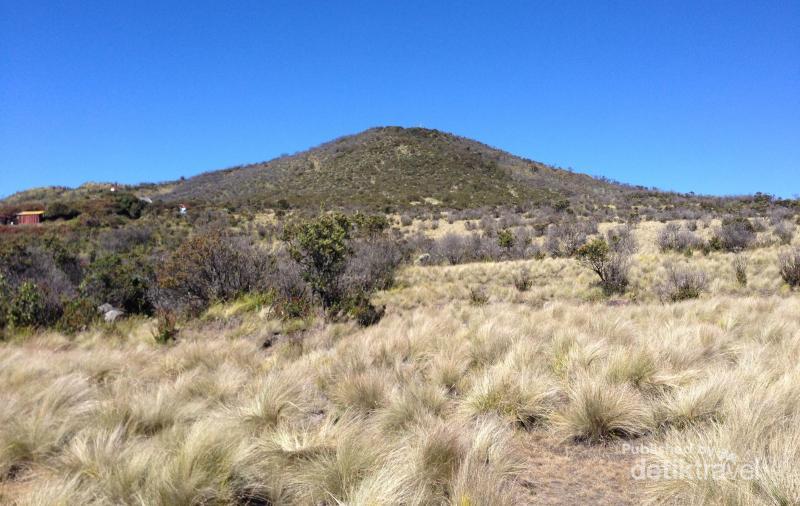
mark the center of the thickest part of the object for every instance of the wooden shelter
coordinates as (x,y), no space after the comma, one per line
(29,217)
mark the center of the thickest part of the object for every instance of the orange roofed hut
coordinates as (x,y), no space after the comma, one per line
(29,217)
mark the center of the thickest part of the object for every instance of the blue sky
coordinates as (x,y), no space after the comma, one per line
(691,96)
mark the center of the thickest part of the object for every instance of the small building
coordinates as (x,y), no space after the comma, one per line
(29,217)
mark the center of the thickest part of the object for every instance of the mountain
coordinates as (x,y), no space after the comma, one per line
(395,167)
(400,168)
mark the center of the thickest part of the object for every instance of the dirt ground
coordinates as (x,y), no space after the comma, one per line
(567,473)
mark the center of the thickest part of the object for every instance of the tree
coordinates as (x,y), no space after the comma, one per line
(321,247)
(610,267)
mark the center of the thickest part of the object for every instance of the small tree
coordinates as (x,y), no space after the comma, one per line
(611,268)
(321,247)
(505,239)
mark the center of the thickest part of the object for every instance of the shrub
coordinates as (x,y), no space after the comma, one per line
(784,231)
(321,247)
(505,239)
(123,240)
(79,314)
(406,220)
(128,204)
(292,294)
(5,293)
(523,281)
(610,267)
(674,238)
(27,307)
(211,267)
(166,326)
(789,266)
(621,240)
(478,296)
(740,269)
(681,283)
(565,239)
(735,234)
(122,281)
(60,210)
(451,248)
(364,312)
(371,266)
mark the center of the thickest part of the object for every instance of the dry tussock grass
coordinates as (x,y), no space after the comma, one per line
(429,406)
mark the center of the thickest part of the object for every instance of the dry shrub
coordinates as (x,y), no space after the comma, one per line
(211,267)
(784,231)
(681,283)
(673,237)
(789,267)
(740,263)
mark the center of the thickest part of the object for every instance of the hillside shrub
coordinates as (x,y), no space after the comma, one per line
(740,263)
(128,204)
(789,267)
(681,283)
(478,296)
(621,240)
(611,267)
(784,231)
(211,267)
(672,237)
(166,326)
(27,307)
(522,280)
(735,234)
(505,239)
(563,240)
(321,247)
(122,281)
(58,210)
(79,314)
(371,266)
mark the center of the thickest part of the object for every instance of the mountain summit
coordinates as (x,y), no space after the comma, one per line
(390,166)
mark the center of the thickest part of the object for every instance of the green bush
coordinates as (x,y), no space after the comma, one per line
(27,307)
(505,239)
(122,281)
(128,204)
(364,312)
(321,247)
(60,210)
(79,314)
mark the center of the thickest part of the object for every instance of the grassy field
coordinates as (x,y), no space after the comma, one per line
(553,395)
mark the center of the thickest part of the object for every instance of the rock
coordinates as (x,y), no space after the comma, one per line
(105,308)
(111,316)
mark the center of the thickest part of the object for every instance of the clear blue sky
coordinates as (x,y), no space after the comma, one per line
(695,95)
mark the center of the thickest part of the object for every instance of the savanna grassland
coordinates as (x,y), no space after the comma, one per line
(518,379)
